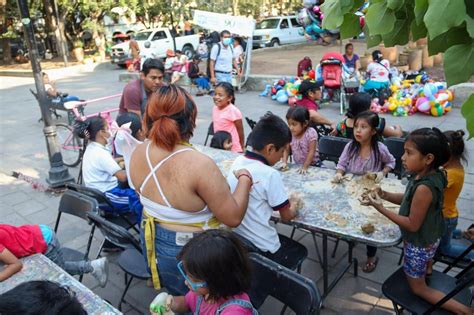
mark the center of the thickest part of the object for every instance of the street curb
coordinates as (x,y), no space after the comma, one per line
(56,73)
(258,82)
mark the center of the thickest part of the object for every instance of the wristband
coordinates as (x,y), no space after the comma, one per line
(248,176)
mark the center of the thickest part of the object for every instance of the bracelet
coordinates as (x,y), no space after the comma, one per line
(248,176)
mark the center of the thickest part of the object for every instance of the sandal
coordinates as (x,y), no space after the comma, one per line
(370,266)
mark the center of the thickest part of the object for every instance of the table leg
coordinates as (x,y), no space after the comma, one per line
(351,260)
(316,247)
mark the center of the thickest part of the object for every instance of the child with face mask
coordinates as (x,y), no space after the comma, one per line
(101,171)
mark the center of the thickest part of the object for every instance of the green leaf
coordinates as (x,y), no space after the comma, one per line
(351,26)
(421,6)
(454,36)
(333,16)
(470,25)
(418,31)
(357,5)
(443,15)
(399,35)
(459,63)
(380,19)
(371,40)
(467,111)
(346,6)
(395,4)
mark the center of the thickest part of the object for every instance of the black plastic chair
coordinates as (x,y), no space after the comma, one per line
(396,289)
(210,132)
(297,292)
(78,205)
(122,220)
(395,147)
(330,148)
(131,260)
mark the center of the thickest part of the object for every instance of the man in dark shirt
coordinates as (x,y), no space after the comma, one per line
(136,92)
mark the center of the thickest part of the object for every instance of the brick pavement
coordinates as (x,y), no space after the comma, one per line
(23,149)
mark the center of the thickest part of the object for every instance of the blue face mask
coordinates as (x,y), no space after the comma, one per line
(227,41)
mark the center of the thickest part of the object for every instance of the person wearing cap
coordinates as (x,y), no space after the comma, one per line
(222,60)
(136,92)
(310,91)
(169,61)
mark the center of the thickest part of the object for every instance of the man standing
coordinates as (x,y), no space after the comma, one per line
(222,60)
(135,94)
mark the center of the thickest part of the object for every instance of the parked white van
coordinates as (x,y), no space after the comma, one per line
(279,30)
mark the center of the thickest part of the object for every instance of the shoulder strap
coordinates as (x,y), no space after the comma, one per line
(218,51)
(380,63)
(144,98)
(239,302)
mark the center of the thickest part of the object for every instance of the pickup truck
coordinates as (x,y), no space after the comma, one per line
(158,41)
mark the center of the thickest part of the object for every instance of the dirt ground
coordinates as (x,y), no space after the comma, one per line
(272,61)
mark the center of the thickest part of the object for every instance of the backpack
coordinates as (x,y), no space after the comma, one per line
(304,65)
(243,303)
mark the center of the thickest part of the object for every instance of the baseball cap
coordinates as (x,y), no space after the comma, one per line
(170,53)
(309,85)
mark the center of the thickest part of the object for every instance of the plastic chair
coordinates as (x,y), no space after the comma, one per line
(396,289)
(330,148)
(395,147)
(122,220)
(210,132)
(78,205)
(131,260)
(297,292)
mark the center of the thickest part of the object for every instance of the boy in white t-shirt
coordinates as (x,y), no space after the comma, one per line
(269,139)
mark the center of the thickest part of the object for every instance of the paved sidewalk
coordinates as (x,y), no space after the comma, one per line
(23,149)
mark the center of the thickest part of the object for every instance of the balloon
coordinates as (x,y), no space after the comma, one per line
(450,95)
(361,21)
(281,82)
(282,98)
(292,101)
(423,104)
(280,93)
(447,107)
(437,111)
(316,9)
(430,90)
(290,89)
(312,74)
(273,90)
(303,17)
(309,3)
(442,97)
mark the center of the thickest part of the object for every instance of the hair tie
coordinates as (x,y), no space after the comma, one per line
(163,116)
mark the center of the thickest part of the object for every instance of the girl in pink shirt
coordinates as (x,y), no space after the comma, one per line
(217,273)
(226,116)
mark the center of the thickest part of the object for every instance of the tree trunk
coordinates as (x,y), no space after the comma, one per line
(235,7)
(5,42)
(52,25)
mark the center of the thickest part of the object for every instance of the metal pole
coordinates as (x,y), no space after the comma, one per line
(63,47)
(58,173)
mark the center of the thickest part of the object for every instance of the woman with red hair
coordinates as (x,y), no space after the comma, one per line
(182,190)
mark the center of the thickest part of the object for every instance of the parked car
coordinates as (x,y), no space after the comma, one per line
(276,31)
(160,40)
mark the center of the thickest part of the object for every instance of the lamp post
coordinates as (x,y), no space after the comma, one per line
(58,173)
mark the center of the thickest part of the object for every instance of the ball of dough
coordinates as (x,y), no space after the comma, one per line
(368,228)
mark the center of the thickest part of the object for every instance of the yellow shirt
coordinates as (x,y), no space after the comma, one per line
(452,191)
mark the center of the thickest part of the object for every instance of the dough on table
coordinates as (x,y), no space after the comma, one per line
(336,218)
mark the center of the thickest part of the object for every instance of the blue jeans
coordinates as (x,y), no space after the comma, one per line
(54,253)
(447,246)
(166,252)
(224,77)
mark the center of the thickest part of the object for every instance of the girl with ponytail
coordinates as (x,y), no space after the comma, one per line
(455,173)
(182,190)
(101,171)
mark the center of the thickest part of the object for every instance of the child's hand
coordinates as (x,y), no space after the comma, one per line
(303,171)
(379,176)
(284,167)
(161,304)
(337,178)
(372,198)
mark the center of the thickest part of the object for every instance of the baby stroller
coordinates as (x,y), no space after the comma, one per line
(331,71)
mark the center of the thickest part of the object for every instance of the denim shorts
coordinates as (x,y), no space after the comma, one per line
(417,258)
(166,251)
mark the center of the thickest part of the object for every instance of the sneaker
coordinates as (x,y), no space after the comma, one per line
(101,270)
